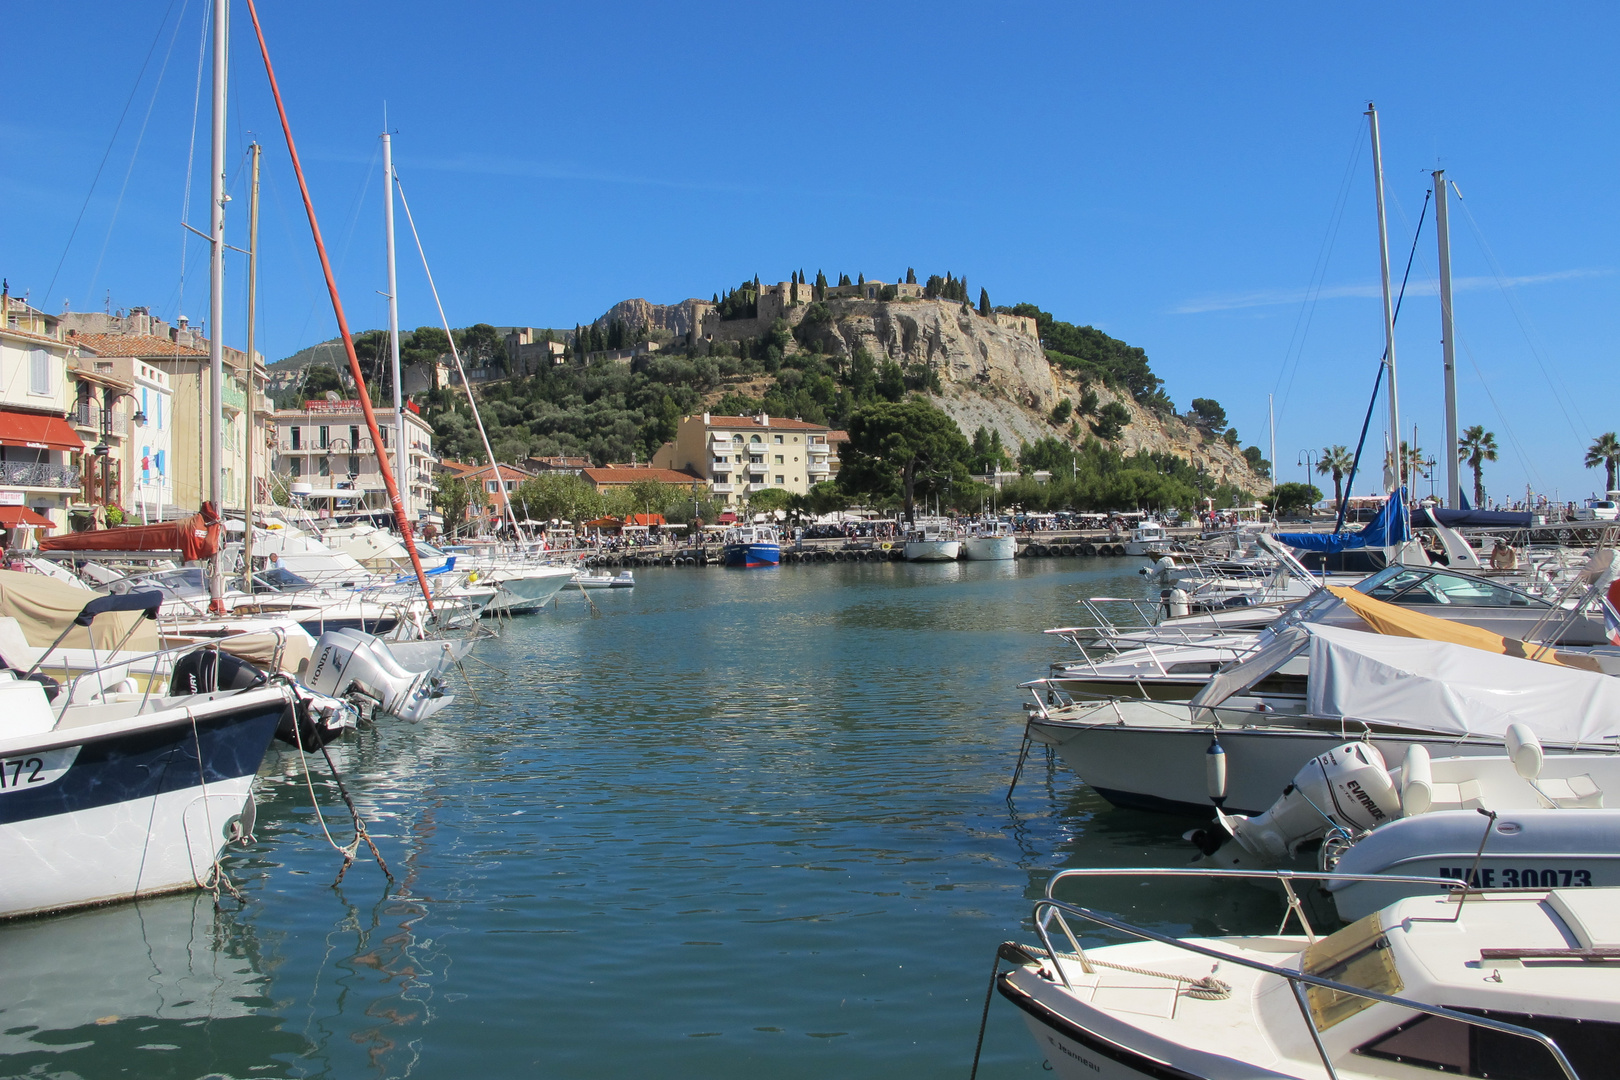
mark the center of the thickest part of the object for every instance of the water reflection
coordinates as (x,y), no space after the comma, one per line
(164,987)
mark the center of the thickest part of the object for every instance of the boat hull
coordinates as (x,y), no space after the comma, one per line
(1565,848)
(751,556)
(933,550)
(989,548)
(1164,769)
(521,593)
(130,813)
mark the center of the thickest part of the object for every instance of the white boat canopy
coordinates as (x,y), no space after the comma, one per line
(1455,689)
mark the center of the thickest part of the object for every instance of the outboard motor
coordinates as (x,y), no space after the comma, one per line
(207,670)
(1348,789)
(348,664)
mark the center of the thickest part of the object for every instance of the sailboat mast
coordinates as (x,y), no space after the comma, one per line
(1448,345)
(216,299)
(400,459)
(1392,476)
(252,499)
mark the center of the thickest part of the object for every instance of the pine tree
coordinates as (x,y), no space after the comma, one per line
(984,303)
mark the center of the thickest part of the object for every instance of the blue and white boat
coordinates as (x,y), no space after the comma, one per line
(751,546)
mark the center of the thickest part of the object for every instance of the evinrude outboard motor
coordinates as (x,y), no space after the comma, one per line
(348,664)
(1348,789)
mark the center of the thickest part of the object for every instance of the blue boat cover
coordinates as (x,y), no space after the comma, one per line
(1388,528)
(1485,519)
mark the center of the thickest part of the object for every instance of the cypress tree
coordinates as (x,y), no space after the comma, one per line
(911,276)
(861,279)
(984,303)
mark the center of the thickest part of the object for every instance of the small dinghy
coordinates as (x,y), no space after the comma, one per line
(1494,984)
(1520,819)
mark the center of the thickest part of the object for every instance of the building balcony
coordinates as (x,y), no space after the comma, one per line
(38,475)
(722,489)
(818,468)
(88,415)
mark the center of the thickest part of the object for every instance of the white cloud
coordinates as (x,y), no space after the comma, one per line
(1275,297)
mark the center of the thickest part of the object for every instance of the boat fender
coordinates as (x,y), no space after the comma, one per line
(887,546)
(1215,771)
(1524,749)
(1177,603)
(1417,781)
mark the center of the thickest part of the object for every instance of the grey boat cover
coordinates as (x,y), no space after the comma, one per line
(1440,687)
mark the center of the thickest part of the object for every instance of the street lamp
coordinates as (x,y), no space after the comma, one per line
(103,449)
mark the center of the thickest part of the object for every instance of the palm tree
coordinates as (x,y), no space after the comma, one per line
(1605,451)
(1339,461)
(1474,449)
(1413,465)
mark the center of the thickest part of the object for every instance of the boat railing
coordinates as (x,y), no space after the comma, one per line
(1049,911)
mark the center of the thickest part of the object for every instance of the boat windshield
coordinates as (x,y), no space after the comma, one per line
(280,579)
(1414,586)
(1358,956)
(187,581)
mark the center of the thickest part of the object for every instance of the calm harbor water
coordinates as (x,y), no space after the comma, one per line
(739,824)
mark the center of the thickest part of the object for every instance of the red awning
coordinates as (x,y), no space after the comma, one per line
(13,516)
(40,432)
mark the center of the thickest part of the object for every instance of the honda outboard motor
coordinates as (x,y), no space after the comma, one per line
(348,664)
(1348,788)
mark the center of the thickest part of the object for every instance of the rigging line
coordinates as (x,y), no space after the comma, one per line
(1559,392)
(455,354)
(134,154)
(191,160)
(156,37)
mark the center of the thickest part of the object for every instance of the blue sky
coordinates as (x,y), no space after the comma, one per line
(1193,179)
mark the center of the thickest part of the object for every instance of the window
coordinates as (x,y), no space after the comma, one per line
(756,440)
(779,480)
(39,372)
(1450,1046)
(779,459)
(779,440)
(297,432)
(510,484)
(737,440)
(354,466)
(354,435)
(384,432)
(295,467)
(325,437)
(326,464)
(491,486)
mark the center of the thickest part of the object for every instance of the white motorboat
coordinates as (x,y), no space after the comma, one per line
(990,541)
(622,580)
(1519,819)
(524,589)
(1393,691)
(1476,984)
(932,540)
(1149,539)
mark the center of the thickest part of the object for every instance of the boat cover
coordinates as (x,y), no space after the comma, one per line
(1282,646)
(1388,529)
(1483,519)
(196,537)
(1441,687)
(44,607)
(1396,621)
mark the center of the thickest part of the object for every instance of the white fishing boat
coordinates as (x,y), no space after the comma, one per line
(1471,984)
(989,541)
(932,540)
(586,579)
(1149,539)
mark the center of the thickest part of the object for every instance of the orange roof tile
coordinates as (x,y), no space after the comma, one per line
(778,422)
(133,345)
(599,477)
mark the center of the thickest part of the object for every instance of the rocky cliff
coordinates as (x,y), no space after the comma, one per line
(678,320)
(994,373)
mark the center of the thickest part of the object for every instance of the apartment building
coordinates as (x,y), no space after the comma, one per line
(327,445)
(737,455)
(41,456)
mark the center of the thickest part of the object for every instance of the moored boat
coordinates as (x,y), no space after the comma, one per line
(989,540)
(751,546)
(932,540)
(624,579)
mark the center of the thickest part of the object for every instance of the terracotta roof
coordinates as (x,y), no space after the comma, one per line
(631,476)
(133,345)
(838,436)
(30,335)
(776,422)
(508,472)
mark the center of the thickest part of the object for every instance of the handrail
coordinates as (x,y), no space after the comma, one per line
(1057,908)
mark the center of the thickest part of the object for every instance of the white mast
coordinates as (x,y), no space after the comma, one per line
(252,498)
(1448,347)
(216,298)
(400,458)
(1271,425)
(1392,475)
